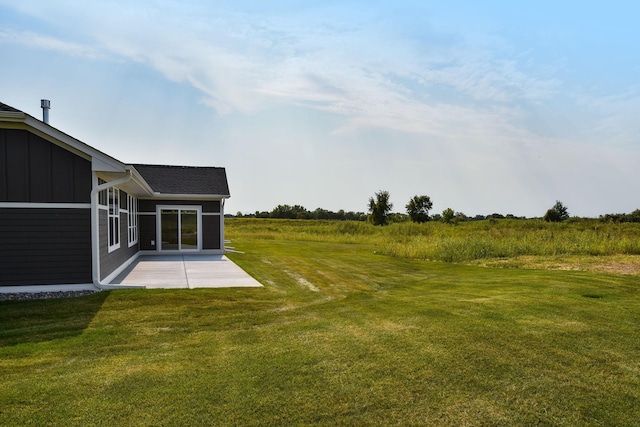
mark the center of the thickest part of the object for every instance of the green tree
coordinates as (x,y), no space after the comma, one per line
(461,217)
(379,208)
(290,212)
(557,213)
(418,208)
(448,216)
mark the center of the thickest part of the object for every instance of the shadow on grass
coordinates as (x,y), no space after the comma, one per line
(47,319)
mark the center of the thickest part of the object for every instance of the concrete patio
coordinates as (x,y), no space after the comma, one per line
(184,272)
(163,272)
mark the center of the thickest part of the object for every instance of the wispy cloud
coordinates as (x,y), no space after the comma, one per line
(615,116)
(483,77)
(46,42)
(370,75)
(493,107)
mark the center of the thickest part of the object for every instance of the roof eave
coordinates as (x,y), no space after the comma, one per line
(100,160)
(140,180)
(12,116)
(190,196)
(104,161)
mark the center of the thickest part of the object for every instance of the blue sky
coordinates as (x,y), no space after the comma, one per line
(487,106)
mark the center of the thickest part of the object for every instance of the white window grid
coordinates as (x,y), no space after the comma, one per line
(113,218)
(132,220)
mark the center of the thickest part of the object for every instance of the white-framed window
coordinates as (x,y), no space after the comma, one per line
(102,195)
(113,219)
(132,220)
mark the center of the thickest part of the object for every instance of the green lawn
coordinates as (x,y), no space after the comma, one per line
(340,335)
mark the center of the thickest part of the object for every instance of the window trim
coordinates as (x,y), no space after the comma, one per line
(132,220)
(113,219)
(179,208)
(103,198)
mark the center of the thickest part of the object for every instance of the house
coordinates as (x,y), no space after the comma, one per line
(71,214)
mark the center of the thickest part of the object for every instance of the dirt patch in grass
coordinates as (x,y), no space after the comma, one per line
(620,268)
(302,281)
(613,264)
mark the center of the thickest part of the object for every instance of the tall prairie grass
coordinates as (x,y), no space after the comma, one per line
(464,242)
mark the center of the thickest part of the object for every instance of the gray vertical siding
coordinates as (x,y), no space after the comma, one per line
(147,228)
(211,232)
(45,246)
(16,166)
(33,169)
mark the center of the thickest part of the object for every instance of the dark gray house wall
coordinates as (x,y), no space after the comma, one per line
(46,216)
(45,246)
(211,232)
(147,227)
(208,206)
(210,223)
(33,169)
(110,261)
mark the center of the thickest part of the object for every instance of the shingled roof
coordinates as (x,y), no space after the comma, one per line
(166,179)
(5,107)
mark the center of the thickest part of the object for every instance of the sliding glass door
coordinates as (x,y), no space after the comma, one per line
(188,229)
(180,228)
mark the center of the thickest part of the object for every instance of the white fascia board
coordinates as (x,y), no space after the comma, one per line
(12,116)
(100,165)
(19,122)
(134,186)
(188,196)
(140,181)
(99,160)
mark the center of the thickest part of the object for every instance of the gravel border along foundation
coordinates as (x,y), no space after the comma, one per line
(43,295)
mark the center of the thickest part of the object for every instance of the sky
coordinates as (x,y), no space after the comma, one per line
(484,106)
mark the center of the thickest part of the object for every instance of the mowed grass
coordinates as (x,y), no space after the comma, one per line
(340,335)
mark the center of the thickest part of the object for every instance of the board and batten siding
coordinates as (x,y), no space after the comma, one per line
(45,246)
(211,222)
(34,170)
(45,215)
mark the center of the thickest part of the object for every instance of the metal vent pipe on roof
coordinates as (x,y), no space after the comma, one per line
(46,105)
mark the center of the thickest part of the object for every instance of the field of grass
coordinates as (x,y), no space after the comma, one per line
(582,244)
(341,334)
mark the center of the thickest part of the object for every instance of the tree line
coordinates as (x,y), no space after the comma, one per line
(417,210)
(622,217)
(299,212)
